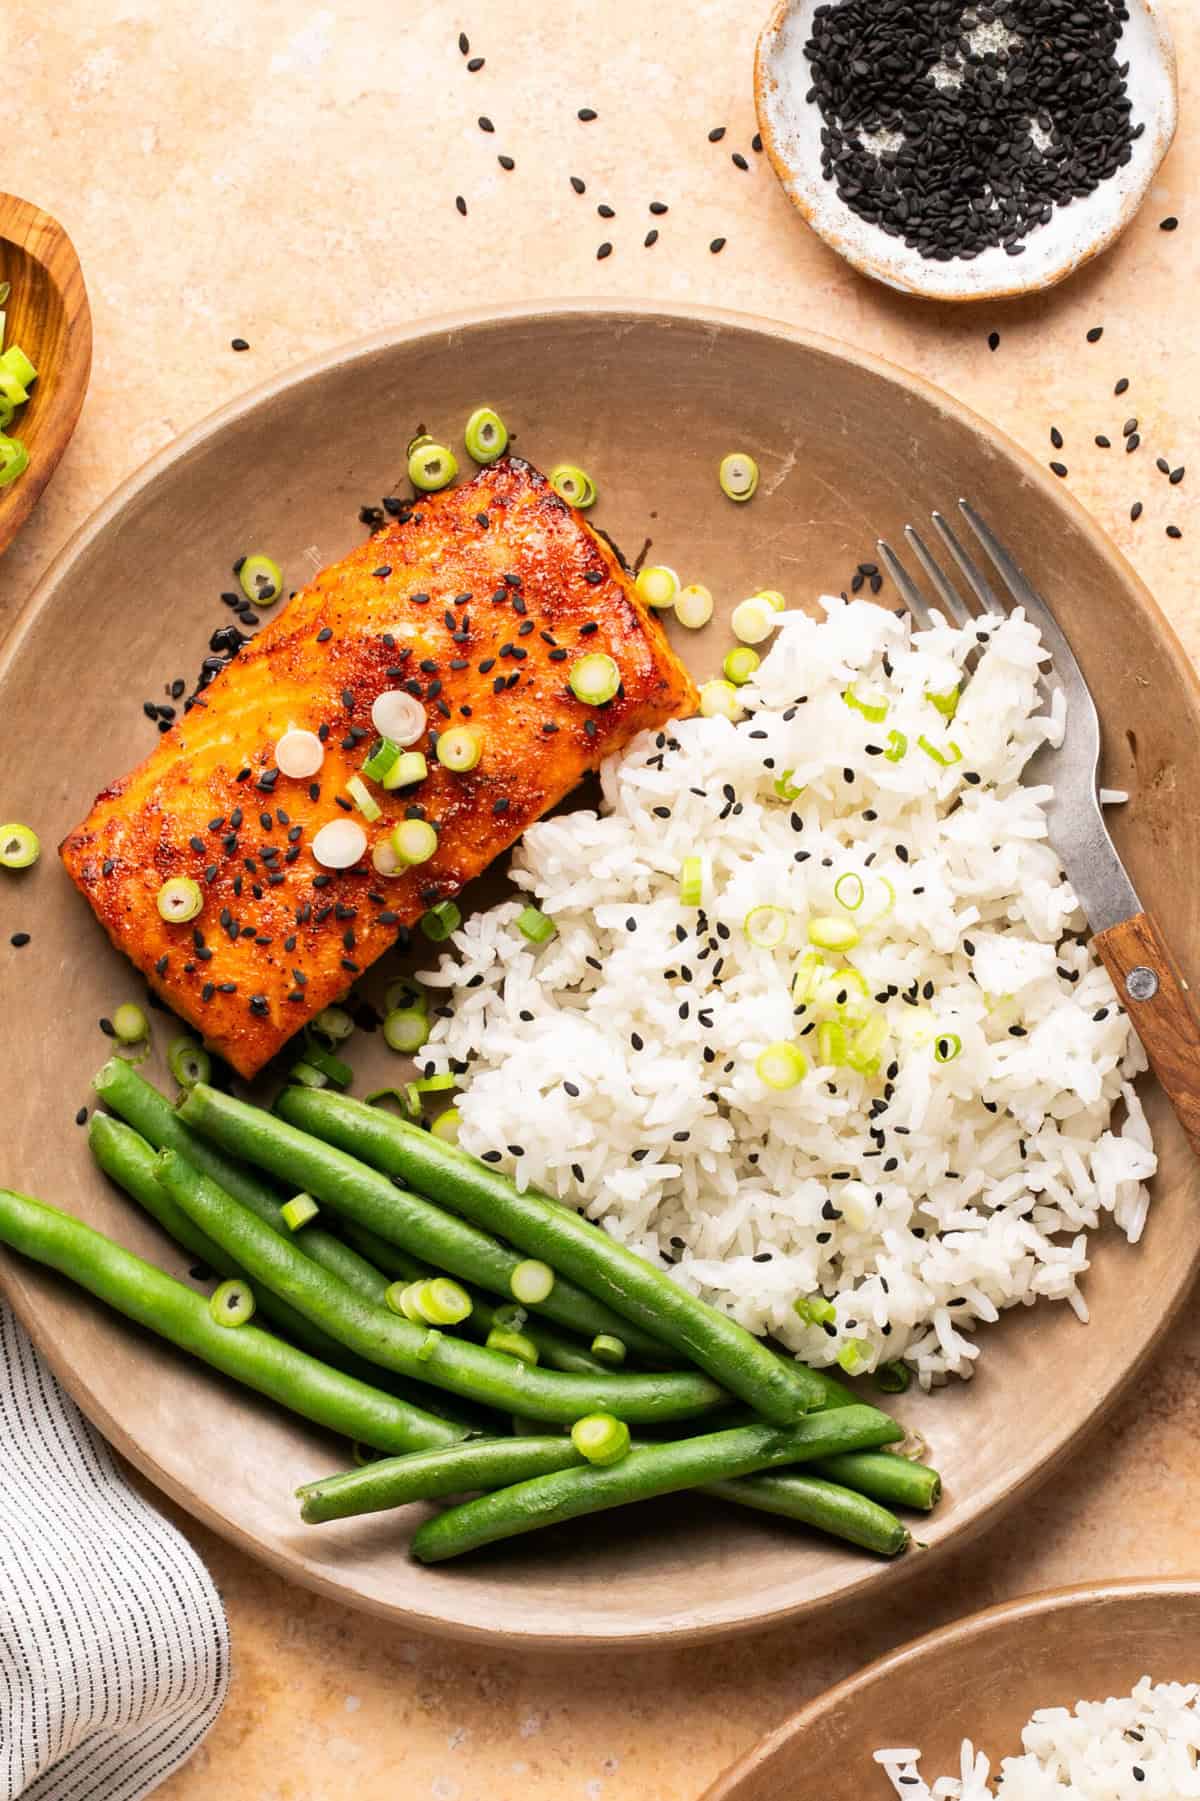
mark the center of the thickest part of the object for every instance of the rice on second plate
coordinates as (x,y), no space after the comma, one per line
(860,1214)
(1142,1747)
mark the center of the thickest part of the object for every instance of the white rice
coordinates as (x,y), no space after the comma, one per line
(986,1173)
(1143,1747)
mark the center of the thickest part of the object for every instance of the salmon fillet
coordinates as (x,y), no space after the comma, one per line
(477,601)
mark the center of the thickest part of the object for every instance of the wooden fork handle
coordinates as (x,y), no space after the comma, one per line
(1152,992)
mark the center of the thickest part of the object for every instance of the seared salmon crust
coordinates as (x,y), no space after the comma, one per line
(477,602)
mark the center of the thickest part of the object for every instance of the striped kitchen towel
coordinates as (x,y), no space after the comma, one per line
(114,1653)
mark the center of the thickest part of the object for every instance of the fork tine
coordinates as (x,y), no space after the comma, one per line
(910,594)
(977,581)
(952,601)
(1023,593)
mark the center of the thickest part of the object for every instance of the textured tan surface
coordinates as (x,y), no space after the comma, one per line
(289,175)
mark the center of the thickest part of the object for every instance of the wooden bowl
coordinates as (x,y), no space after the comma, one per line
(791,132)
(49,316)
(849,448)
(981,1679)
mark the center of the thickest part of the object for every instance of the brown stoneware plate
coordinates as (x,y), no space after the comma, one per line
(981,1679)
(648,401)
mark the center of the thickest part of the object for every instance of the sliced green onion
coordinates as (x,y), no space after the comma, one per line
(945,758)
(601,1438)
(694,606)
(781,1065)
(405,1030)
(785,787)
(232,1303)
(385,754)
(608,1348)
(18,364)
(14,460)
(7,409)
(427,1085)
(130,1024)
(573,484)
(417,443)
(738,475)
(531,1282)
(363,799)
(337,1072)
(306,1076)
(752,621)
(20,848)
(773,598)
(657,586)
(442,1302)
(810,973)
(333,1023)
(533,924)
(410,766)
(841,983)
(946,1047)
(179,899)
(766,927)
(889,899)
(486,435)
(438,923)
(741,665)
(853,1354)
(414,841)
(720,700)
(875,711)
(428,1346)
(188,1062)
(848,891)
(298,1211)
(431,466)
(512,1344)
(832,934)
(405,994)
(261,579)
(339,844)
(401,1297)
(863,1054)
(446,1125)
(831,1044)
(298,753)
(893,1378)
(946,704)
(594,679)
(815,1310)
(13,390)
(509,1314)
(5,291)
(897,746)
(691,882)
(460,748)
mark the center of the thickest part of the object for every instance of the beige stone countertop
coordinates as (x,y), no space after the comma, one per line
(287,173)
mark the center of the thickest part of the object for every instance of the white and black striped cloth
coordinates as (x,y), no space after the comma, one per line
(114,1652)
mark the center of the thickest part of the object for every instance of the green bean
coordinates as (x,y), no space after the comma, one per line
(124,1155)
(555,1349)
(151,1114)
(424,1354)
(428,1475)
(570,1243)
(651,1470)
(349,1187)
(814,1502)
(883,1475)
(258,1359)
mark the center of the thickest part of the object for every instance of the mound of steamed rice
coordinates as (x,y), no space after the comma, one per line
(1143,1747)
(614,1066)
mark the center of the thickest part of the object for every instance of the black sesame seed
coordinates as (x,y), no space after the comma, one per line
(739,161)
(1171,223)
(1095,334)
(1136,510)
(485,124)
(19,940)
(506,162)
(993,340)
(1103,442)
(1173,531)
(1122,386)
(716,134)
(1059,469)
(717,245)
(604,250)
(606,212)
(1056,437)
(461,204)
(475,64)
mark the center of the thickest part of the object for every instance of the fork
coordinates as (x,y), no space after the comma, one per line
(1127,939)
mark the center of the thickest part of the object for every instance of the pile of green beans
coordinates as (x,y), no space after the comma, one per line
(711,1407)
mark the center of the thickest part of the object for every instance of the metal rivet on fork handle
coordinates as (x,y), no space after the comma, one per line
(1141,984)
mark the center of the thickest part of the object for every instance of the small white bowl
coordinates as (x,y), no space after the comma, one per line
(791,132)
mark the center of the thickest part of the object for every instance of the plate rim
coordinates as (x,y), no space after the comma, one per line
(960,1633)
(688,1623)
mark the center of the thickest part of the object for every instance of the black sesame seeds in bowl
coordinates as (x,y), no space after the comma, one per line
(967,151)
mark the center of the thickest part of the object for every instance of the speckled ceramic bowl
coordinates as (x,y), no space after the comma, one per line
(791,131)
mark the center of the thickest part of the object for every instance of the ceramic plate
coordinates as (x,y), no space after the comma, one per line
(648,401)
(981,1679)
